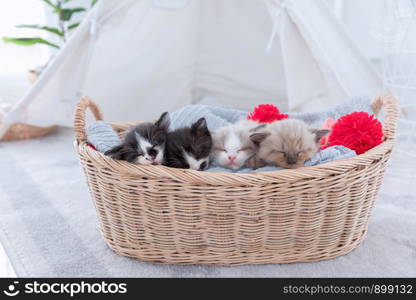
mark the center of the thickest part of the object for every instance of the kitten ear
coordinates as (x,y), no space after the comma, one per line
(200,125)
(261,126)
(319,133)
(259,137)
(164,121)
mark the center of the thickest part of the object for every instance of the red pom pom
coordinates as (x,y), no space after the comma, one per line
(92,146)
(358,131)
(266,113)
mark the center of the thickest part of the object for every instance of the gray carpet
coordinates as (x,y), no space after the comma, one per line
(48,227)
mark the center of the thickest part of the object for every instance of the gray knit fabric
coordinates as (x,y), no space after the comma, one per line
(215,116)
(102,136)
(218,117)
(316,119)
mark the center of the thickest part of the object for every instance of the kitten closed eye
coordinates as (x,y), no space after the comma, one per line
(279,152)
(244,149)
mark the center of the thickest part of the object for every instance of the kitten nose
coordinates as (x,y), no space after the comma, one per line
(202,166)
(291,161)
(232,157)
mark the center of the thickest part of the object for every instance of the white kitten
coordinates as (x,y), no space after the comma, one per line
(232,145)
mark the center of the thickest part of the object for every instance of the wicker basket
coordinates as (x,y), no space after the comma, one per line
(177,216)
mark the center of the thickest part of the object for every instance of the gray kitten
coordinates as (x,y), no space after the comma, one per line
(287,143)
(232,145)
(189,147)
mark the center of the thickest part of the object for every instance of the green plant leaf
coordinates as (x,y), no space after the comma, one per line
(73,26)
(46,28)
(66,13)
(51,4)
(29,41)
(93,2)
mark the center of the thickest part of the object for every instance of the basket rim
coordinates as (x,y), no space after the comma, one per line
(224,178)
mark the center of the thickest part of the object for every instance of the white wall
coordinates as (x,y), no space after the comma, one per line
(363,20)
(14,59)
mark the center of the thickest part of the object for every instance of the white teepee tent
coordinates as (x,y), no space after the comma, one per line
(137,58)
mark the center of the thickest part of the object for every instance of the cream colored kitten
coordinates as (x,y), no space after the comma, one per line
(232,145)
(287,143)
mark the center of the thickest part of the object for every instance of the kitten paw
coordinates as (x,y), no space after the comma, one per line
(255,162)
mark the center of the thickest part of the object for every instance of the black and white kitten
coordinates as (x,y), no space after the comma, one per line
(144,144)
(189,147)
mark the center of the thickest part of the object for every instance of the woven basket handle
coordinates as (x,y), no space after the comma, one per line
(389,104)
(79,120)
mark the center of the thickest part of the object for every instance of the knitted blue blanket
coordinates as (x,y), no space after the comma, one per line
(218,117)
